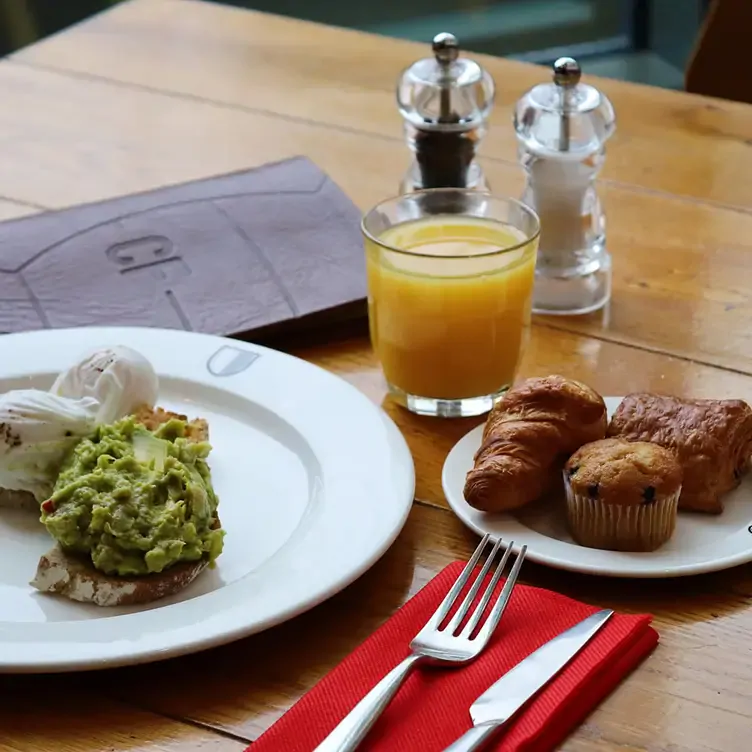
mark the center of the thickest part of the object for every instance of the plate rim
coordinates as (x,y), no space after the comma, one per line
(461,510)
(394,456)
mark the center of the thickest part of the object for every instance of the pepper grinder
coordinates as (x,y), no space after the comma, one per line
(445,101)
(562,128)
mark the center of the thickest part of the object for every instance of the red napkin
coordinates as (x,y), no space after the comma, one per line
(432,708)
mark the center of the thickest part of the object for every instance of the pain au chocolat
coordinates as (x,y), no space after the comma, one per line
(528,436)
(712,439)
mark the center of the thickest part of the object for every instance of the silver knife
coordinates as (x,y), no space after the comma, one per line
(501,701)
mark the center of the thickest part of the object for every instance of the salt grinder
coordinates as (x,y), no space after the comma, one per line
(445,101)
(562,128)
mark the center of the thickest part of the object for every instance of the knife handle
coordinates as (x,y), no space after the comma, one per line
(474,739)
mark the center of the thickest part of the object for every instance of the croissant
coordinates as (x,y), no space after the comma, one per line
(528,436)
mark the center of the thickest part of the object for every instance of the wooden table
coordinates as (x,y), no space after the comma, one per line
(161,91)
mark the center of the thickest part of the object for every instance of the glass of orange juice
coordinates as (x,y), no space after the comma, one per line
(450,283)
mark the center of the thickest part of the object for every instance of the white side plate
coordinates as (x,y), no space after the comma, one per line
(701,543)
(314,482)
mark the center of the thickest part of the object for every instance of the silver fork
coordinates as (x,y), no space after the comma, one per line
(436,646)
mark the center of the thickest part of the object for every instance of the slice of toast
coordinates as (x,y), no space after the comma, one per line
(67,574)
(76,577)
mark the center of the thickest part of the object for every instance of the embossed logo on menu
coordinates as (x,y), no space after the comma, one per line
(155,253)
(230,361)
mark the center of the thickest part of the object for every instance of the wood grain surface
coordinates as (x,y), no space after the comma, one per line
(313,73)
(160,91)
(63,714)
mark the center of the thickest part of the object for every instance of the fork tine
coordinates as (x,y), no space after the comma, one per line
(459,583)
(495,616)
(470,597)
(480,610)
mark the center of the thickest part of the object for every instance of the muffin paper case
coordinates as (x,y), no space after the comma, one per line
(621,527)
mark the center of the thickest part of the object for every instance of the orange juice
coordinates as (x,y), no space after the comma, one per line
(450,316)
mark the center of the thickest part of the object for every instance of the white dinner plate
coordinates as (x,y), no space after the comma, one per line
(315,483)
(700,543)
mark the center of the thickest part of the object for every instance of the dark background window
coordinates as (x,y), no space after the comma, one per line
(648,41)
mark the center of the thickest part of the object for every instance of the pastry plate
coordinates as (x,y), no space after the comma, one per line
(315,483)
(700,543)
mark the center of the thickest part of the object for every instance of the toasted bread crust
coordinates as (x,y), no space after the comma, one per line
(10,499)
(152,418)
(73,576)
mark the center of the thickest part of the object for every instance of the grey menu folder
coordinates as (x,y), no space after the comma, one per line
(258,251)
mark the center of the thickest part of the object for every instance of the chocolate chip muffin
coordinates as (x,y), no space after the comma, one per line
(621,495)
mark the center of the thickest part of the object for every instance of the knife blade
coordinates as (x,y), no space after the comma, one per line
(503,699)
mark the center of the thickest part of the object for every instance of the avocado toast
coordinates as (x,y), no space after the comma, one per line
(133,512)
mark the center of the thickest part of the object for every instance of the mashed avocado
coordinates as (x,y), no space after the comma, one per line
(136,501)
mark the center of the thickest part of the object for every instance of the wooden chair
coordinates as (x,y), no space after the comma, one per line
(721,62)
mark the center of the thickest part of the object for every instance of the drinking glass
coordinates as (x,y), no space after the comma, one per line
(450,282)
